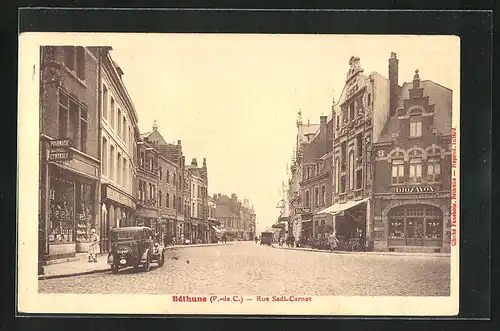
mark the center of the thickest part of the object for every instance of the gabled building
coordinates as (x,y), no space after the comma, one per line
(359,117)
(227,213)
(412,177)
(170,183)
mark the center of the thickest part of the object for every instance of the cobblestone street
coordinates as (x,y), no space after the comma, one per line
(250,269)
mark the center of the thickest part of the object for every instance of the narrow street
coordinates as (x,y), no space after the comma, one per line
(246,268)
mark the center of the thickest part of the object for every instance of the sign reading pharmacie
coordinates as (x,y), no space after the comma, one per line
(60,150)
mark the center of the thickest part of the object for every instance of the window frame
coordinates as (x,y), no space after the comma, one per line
(399,164)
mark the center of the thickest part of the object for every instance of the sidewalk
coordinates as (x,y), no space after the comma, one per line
(307,249)
(79,265)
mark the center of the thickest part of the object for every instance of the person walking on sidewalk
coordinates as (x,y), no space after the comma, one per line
(94,246)
(332,241)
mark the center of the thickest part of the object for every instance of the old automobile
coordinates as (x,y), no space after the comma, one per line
(134,247)
(266,238)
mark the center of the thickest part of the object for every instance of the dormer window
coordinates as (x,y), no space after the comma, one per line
(415,128)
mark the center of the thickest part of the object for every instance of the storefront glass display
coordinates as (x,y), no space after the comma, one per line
(415,225)
(84,211)
(62,217)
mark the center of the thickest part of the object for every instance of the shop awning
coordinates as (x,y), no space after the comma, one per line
(219,230)
(340,207)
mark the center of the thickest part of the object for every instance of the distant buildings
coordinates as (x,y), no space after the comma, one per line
(236,219)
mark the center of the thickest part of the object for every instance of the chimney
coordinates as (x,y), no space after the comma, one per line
(194,162)
(204,163)
(233,197)
(178,142)
(322,120)
(155,126)
(215,196)
(416,80)
(393,83)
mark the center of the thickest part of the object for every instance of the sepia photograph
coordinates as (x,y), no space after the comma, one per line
(239,174)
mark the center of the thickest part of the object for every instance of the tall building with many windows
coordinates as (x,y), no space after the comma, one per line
(170,180)
(147,185)
(197,180)
(69,152)
(118,134)
(412,177)
(359,117)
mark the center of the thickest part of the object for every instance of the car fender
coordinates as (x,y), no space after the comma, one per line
(144,256)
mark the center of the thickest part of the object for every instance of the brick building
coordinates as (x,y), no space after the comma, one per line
(197,179)
(170,182)
(237,218)
(413,170)
(300,212)
(147,184)
(69,150)
(316,184)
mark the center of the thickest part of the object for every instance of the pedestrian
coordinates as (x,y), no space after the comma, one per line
(94,246)
(332,241)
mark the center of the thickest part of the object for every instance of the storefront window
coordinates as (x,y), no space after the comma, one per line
(62,217)
(396,229)
(415,223)
(84,211)
(434,229)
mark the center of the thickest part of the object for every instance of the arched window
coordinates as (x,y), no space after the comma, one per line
(434,169)
(415,175)
(351,170)
(316,196)
(398,171)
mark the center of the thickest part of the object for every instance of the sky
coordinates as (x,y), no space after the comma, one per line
(233,99)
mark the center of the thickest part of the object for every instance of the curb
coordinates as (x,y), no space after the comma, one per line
(80,273)
(365,253)
(197,245)
(89,272)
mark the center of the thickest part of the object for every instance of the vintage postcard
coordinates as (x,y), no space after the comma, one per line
(239,174)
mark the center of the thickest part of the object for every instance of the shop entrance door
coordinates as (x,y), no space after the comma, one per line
(414,232)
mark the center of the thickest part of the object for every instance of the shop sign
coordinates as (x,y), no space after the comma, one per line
(414,189)
(59,150)
(302,211)
(114,195)
(84,167)
(59,155)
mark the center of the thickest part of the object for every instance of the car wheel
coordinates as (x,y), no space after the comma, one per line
(114,269)
(162,260)
(147,264)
